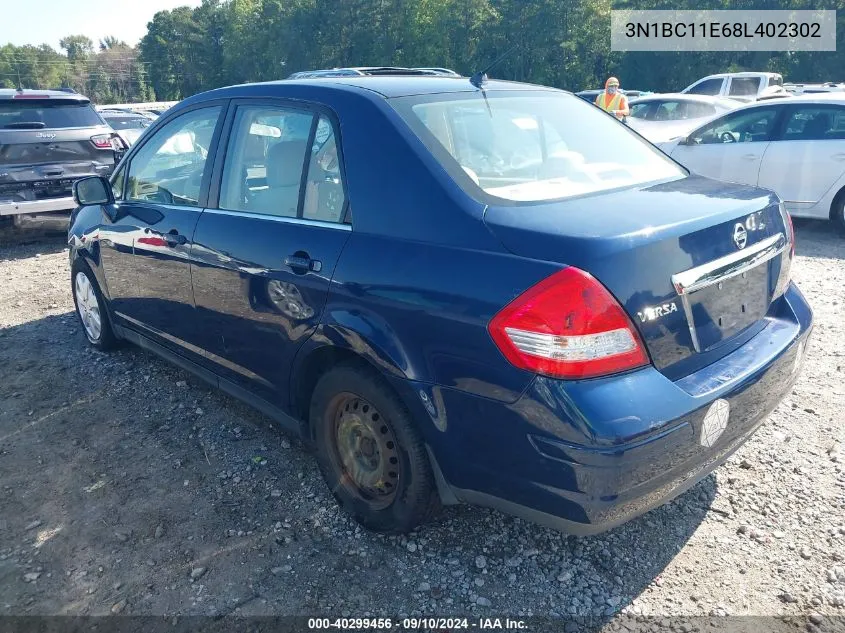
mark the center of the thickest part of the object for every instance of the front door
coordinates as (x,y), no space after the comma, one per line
(162,201)
(731,148)
(264,258)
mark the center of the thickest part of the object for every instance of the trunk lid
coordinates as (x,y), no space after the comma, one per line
(695,263)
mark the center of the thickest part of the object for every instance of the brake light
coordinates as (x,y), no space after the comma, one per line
(30,96)
(790,230)
(102,141)
(568,326)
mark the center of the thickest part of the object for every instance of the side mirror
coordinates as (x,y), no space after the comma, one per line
(92,190)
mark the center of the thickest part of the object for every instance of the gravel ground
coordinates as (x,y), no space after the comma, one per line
(126,486)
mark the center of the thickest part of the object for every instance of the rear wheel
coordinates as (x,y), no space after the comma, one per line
(91,308)
(371,456)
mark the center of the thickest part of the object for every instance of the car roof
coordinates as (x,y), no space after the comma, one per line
(680,96)
(820,98)
(388,87)
(12,93)
(745,73)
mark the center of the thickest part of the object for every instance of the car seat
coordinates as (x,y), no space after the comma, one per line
(284,175)
(817,127)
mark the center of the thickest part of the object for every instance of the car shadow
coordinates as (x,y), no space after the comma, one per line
(138,489)
(818,238)
(17,245)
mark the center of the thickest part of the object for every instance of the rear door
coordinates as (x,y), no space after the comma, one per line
(808,157)
(263,257)
(730,148)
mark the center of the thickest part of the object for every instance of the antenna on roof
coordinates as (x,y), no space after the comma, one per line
(480,77)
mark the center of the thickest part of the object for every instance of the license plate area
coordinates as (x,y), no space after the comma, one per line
(725,296)
(726,308)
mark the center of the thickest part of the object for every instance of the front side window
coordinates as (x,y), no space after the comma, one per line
(532,146)
(744,86)
(169,168)
(738,127)
(815,123)
(707,87)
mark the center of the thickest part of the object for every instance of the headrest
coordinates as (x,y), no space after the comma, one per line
(284,163)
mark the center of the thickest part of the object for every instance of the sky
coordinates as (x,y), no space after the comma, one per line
(48,21)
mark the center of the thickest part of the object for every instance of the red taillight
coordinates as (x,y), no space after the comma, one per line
(790,231)
(568,326)
(102,141)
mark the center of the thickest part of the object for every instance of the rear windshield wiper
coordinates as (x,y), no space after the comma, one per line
(25,125)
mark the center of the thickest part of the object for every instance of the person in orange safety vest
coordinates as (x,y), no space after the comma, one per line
(613,101)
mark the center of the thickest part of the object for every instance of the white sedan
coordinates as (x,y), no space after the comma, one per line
(795,147)
(660,117)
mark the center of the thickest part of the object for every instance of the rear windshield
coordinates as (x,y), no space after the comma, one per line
(26,114)
(532,146)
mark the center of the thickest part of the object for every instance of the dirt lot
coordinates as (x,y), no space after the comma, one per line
(126,486)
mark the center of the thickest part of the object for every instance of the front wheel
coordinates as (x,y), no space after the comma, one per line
(371,455)
(91,308)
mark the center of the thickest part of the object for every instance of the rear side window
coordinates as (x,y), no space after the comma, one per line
(265,159)
(814,123)
(744,86)
(268,151)
(324,196)
(707,87)
(25,114)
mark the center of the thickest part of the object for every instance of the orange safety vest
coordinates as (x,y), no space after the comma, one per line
(608,102)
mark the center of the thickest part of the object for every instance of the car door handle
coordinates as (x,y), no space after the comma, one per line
(838,156)
(174,238)
(751,156)
(303,263)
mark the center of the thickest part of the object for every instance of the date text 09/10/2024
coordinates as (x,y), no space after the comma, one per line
(413,624)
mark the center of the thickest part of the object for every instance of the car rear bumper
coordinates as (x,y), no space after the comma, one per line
(17,207)
(587,456)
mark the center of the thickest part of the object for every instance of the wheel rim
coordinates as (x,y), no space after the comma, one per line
(87,306)
(365,450)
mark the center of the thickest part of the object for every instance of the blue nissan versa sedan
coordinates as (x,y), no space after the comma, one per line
(491,293)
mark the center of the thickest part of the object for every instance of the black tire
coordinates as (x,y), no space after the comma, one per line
(837,212)
(104,338)
(345,402)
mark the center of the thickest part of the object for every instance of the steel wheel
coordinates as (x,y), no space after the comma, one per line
(88,306)
(365,450)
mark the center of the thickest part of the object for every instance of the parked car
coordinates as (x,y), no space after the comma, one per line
(814,88)
(48,139)
(590,95)
(747,86)
(794,147)
(127,124)
(662,117)
(511,300)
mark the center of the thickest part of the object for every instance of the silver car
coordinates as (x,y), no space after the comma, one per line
(661,117)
